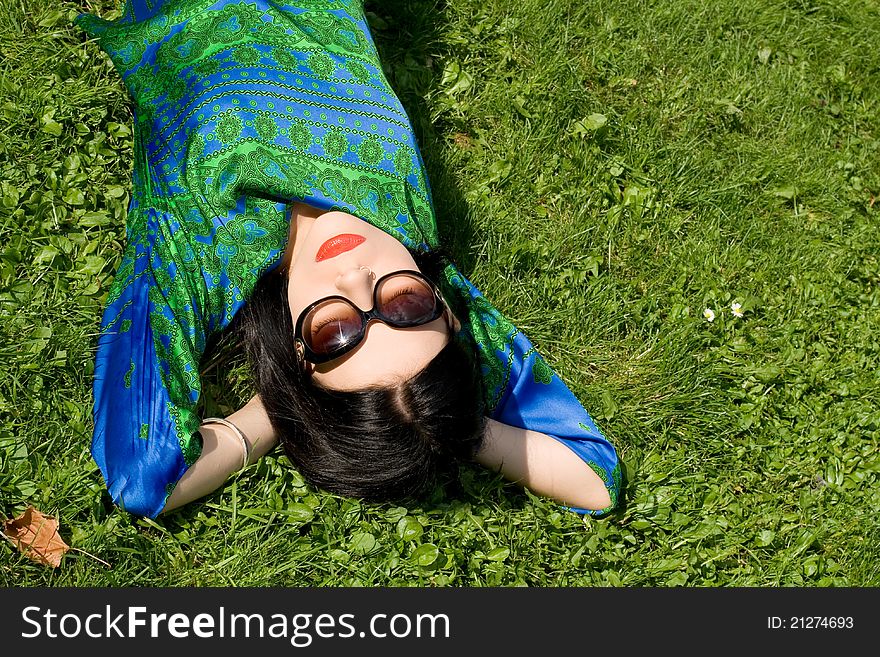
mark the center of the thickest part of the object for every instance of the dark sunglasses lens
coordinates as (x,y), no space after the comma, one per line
(405,300)
(331,326)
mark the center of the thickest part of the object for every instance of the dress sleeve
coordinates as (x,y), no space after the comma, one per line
(522,390)
(536,398)
(144,420)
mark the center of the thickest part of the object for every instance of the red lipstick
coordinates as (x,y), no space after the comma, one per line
(338,244)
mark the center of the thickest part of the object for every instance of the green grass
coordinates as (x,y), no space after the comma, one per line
(604,172)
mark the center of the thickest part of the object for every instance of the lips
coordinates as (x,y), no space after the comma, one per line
(338,244)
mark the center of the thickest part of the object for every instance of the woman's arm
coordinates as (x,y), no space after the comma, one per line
(530,458)
(542,464)
(221,453)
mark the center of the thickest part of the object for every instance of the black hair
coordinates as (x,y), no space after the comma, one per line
(378,443)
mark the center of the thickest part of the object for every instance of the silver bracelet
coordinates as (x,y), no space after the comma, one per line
(245,448)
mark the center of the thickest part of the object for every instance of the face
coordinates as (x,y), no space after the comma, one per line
(349,266)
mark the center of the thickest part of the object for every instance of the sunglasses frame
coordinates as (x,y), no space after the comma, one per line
(305,353)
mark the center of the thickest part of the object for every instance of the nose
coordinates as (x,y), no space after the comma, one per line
(357,284)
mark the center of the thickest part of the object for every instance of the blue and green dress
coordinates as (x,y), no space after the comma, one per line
(240,107)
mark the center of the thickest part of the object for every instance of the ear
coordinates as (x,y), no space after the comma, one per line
(456,325)
(300,351)
(305,366)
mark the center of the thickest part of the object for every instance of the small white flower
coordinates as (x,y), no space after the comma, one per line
(736,309)
(709,314)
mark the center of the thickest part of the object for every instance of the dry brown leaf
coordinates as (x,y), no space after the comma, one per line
(37,537)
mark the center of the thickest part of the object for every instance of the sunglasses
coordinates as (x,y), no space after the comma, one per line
(333,326)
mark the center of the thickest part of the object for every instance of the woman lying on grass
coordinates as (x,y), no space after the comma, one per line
(278,183)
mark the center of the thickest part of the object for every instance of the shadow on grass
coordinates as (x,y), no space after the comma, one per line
(408,34)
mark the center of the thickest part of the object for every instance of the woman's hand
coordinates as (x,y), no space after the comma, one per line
(542,464)
(222,453)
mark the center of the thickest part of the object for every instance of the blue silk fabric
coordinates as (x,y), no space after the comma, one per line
(241,107)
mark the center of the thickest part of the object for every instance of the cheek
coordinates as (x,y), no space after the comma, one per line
(295,300)
(395,256)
